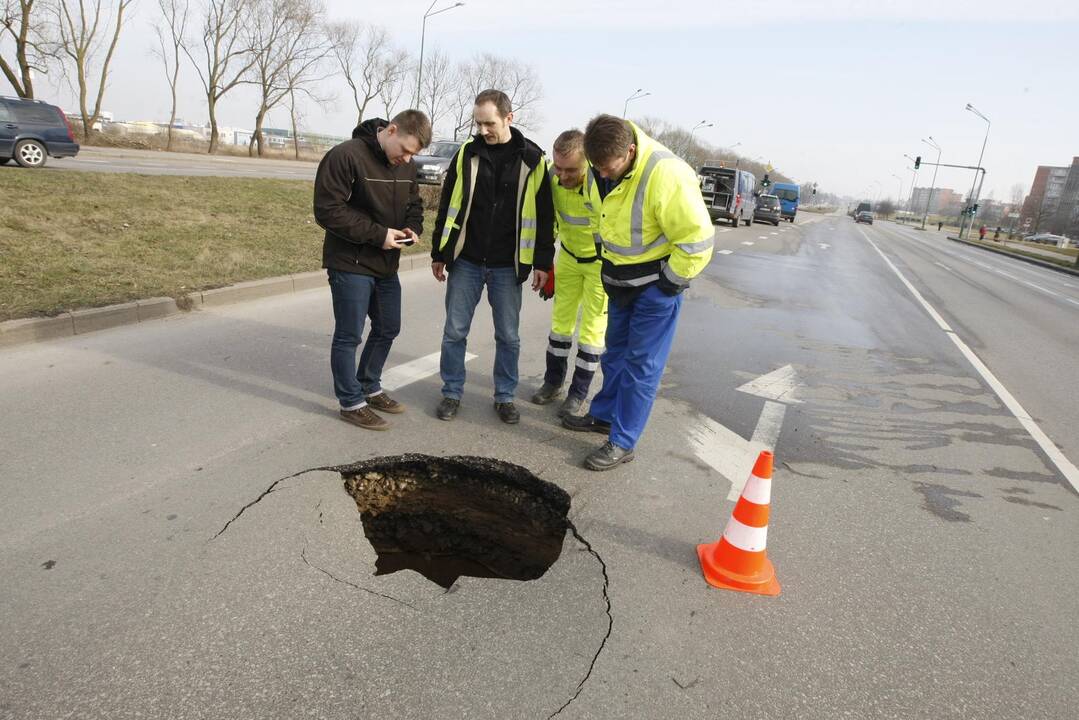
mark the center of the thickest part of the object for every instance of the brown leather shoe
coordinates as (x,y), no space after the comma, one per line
(365,418)
(384,403)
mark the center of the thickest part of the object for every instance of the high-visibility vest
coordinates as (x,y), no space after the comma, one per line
(577,216)
(655,218)
(528,184)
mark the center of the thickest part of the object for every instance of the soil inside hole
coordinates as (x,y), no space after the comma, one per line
(453,516)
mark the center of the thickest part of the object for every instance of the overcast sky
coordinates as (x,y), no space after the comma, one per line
(828,90)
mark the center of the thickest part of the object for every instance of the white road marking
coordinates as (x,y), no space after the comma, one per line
(774,233)
(747,242)
(414,370)
(953,272)
(724,230)
(779,384)
(762,237)
(1063,464)
(823,246)
(725,252)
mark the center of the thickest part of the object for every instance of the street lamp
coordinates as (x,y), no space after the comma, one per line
(899,197)
(637,95)
(698,126)
(974,195)
(423,37)
(932,188)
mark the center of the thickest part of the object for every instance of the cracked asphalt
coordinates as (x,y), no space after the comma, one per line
(176,541)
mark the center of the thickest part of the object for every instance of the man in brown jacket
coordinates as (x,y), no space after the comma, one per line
(367,200)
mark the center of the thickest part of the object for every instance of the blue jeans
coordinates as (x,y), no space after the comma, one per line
(463,290)
(355,298)
(639,339)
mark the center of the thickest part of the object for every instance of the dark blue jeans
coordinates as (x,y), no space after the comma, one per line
(356,298)
(463,291)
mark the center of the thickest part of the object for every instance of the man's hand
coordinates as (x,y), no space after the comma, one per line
(438,269)
(539,279)
(392,237)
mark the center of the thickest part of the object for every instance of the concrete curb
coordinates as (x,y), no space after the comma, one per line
(79,322)
(1024,258)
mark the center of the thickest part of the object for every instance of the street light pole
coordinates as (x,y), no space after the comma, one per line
(974,195)
(914,166)
(637,95)
(899,197)
(933,144)
(423,38)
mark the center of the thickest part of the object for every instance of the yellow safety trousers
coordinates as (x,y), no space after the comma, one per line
(579,290)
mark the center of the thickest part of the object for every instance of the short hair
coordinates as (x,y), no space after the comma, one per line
(569,142)
(414,123)
(500,100)
(607,137)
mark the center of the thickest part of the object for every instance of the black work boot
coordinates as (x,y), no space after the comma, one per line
(585,423)
(607,457)
(507,413)
(546,394)
(571,406)
(447,409)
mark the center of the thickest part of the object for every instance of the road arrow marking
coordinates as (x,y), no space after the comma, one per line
(727,452)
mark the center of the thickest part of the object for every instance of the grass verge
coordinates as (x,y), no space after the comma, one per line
(72,240)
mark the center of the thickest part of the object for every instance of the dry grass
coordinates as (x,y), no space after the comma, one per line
(71,239)
(189,145)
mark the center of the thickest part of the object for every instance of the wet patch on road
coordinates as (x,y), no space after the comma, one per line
(942,501)
(454,516)
(1032,503)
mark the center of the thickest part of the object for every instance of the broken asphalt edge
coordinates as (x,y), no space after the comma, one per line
(78,322)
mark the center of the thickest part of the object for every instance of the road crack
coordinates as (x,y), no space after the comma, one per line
(327,573)
(610,618)
(267,491)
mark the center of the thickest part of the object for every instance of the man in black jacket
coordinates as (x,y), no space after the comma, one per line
(367,200)
(495,224)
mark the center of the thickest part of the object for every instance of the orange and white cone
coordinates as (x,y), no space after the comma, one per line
(739,561)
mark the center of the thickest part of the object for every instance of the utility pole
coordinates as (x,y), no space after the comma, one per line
(933,144)
(974,194)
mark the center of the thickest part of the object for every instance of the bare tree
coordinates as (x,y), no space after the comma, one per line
(24,22)
(372,65)
(288,43)
(84,29)
(437,90)
(224,55)
(488,71)
(1018,192)
(170,32)
(393,91)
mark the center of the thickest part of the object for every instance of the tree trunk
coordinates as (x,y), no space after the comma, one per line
(256,137)
(172,114)
(295,134)
(211,104)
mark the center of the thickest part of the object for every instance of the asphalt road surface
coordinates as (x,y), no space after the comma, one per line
(920,397)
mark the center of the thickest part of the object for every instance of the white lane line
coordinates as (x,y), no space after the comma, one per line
(414,370)
(953,272)
(724,229)
(725,252)
(747,242)
(762,237)
(1063,464)
(774,233)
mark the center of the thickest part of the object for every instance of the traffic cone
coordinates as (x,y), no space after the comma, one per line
(738,561)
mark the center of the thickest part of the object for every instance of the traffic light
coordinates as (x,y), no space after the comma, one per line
(974,209)
(766,182)
(917,162)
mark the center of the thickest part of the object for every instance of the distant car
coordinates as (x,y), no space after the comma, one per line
(864,216)
(433,162)
(32,130)
(768,209)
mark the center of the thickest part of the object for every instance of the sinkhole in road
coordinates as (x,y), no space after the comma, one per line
(445,517)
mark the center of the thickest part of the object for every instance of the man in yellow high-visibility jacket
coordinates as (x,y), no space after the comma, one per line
(577,284)
(657,236)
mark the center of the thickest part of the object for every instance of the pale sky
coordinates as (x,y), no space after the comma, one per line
(827,90)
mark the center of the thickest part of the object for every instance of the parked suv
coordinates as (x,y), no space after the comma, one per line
(32,130)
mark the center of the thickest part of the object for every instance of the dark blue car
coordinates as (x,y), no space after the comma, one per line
(32,130)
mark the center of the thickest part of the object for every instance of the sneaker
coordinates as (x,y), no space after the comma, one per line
(364,417)
(507,413)
(586,423)
(546,394)
(571,406)
(607,457)
(447,409)
(384,403)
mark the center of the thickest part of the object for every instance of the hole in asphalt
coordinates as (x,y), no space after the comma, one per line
(453,516)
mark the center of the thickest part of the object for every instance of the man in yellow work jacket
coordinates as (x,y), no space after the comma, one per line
(577,284)
(657,236)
